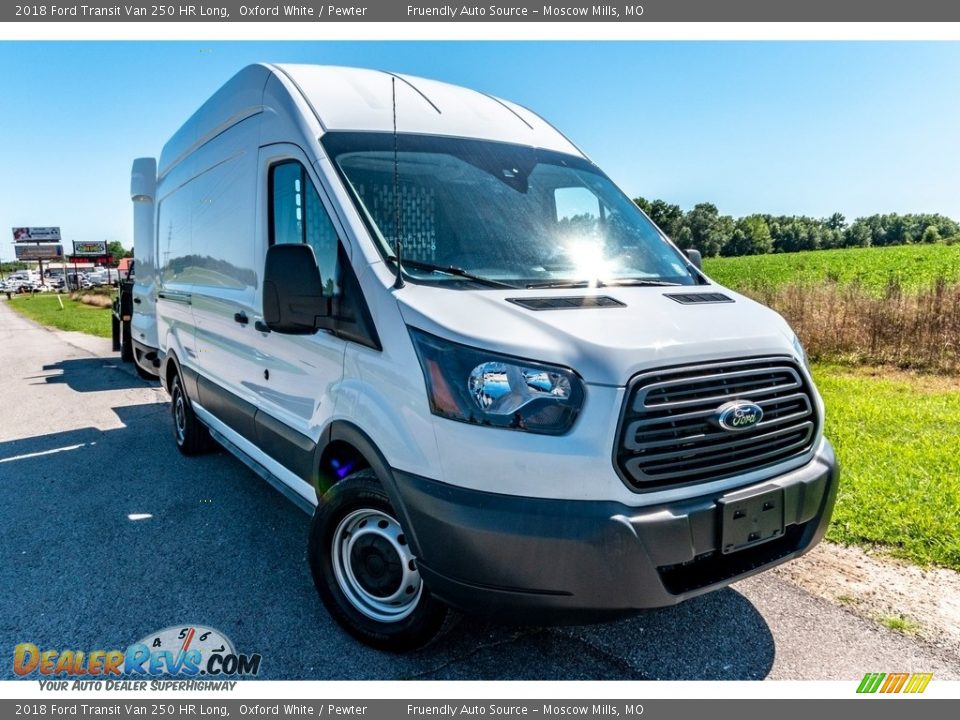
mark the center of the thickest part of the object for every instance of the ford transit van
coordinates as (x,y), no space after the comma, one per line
(428,318)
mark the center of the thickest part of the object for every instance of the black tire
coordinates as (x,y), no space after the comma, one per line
(356,587)
(191,435)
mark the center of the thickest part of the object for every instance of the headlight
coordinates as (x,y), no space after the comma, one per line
(486,388)
(801,353)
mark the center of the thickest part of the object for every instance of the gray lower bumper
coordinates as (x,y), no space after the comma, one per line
(486,552)
(146,357)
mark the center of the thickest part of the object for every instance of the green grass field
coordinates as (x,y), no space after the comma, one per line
(44,309)
(896,437)
(913,266)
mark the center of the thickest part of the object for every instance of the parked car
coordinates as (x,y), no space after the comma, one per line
(103,276)
(427,317)
(78,281)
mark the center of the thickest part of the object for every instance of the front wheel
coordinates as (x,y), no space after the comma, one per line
(365,570)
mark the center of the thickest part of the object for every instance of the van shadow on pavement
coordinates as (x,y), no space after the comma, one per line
(90,375)
(106,536)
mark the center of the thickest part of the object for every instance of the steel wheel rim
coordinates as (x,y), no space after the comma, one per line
(179,416)
(374,566)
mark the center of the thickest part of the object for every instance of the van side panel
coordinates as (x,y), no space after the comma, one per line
(174,248)
(228,253)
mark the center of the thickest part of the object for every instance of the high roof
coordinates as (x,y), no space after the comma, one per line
(343,98)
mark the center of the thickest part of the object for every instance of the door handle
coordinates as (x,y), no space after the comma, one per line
(136,301)
(241,317)
(176,296)
(261,326)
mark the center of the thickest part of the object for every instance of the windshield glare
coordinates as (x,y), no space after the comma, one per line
(504,212)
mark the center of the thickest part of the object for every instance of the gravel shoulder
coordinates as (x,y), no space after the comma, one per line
(870,584)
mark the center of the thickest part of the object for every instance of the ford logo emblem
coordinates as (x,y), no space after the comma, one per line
(739,415)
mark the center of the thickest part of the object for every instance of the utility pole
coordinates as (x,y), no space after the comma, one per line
(40,261)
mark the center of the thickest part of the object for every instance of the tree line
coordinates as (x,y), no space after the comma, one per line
(705,229)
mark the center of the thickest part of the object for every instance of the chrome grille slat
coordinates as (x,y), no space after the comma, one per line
(694,435)
(639,405)
(745,439)
(668,434)
(708,412)
(742,386)
(771,453)
(734,464)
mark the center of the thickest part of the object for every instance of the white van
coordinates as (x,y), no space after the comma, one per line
(104,276)
(25,276)
(423,314)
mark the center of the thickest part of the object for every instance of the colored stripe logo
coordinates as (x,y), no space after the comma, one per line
(894,683)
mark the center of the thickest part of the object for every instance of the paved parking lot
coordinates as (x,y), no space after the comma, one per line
(107,533)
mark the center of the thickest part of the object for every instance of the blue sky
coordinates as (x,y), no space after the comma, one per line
(793,128)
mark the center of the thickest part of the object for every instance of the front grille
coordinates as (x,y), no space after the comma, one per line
(669,433)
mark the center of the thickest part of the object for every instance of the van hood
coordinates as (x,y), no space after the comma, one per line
(634,328)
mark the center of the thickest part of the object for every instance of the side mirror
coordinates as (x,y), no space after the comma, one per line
(143,180)
(696,258)
(292,290)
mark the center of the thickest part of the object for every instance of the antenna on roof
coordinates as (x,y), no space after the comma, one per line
(397,217)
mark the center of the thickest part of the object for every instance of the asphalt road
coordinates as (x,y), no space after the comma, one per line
(85,445)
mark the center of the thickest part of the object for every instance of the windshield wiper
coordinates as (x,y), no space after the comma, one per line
(640,282)
(626,282)
(564,284)
(451,270)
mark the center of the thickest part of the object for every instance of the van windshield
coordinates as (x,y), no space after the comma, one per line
(500,214)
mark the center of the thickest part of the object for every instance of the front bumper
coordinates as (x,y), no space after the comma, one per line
(559,560)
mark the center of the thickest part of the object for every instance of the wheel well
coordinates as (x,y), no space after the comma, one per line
(338,460)
(171,372)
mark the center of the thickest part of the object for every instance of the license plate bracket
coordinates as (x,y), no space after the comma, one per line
(748,519)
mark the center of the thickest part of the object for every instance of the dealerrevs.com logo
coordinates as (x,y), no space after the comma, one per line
(187,651)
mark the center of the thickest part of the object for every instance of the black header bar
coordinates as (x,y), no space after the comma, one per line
(313,11)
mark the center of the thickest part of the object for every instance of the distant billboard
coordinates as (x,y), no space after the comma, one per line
(96,248)
(39,252)
(36,234)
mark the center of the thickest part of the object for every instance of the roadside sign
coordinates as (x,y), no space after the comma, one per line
(96,248)
(36,234)
(38,252)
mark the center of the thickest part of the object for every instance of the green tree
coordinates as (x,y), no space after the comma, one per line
(684,238)
(117,252)
(667,216)
(858,234)
(930,235)
(750,237)
(705,229)
(836,222)
(710,232)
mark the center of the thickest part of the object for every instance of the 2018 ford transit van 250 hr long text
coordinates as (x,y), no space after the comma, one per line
(422,311)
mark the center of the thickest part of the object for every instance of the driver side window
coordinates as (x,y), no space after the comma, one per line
(297,215)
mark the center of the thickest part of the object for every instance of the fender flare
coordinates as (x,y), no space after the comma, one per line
(345,431)
(168,357)
(188,375)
